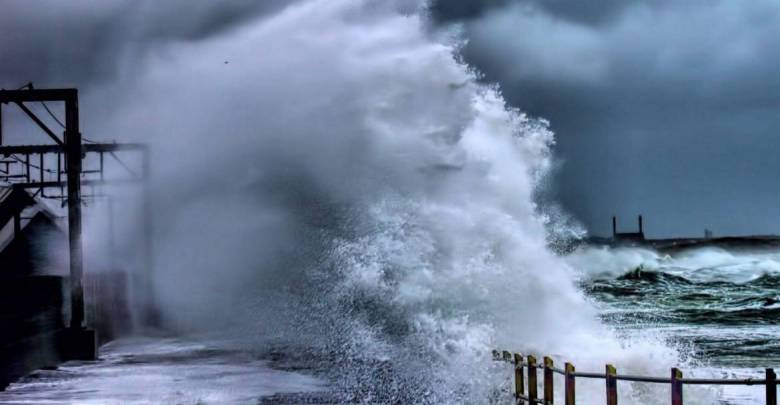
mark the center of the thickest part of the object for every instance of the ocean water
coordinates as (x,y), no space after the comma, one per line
(719,308)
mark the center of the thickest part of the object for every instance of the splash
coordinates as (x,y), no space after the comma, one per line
(335,181)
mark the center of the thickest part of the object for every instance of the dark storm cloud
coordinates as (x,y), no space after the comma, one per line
(671,109)
(586,12)
(79,42)
(447,11)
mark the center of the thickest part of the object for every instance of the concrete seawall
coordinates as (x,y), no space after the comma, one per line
(673,244)
(34,312)
(31,310)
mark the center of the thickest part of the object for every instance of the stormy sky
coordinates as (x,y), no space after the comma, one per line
(87,42)
(666,108)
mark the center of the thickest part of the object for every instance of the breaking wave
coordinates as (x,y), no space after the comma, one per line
(337,183)
(702,286)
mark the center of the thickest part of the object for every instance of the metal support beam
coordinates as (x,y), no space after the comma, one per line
(39,122)
(73,159)
(152,318)
(88,182)
(79,341)
(21,96)
(90,147)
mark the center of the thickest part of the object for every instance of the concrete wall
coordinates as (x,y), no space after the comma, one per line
(31,312)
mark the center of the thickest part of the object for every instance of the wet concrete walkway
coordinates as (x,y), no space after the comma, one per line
(163,371)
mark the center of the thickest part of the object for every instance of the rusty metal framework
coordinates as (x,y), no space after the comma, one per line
(58,165)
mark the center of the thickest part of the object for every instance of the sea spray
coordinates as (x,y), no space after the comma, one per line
(331,179)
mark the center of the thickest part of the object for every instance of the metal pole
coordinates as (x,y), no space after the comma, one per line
(40,171)
(73,161)
(111,243)
(18,225)
(148,233)
(59,171)
(614,227)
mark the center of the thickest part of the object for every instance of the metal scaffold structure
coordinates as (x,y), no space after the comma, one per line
(54,171)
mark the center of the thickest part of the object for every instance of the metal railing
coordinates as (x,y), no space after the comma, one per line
(611,377)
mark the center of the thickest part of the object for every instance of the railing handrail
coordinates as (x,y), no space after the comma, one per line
(675,380)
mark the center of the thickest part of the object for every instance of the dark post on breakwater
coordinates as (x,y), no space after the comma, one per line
(35,334)
(638,236)
(676,243)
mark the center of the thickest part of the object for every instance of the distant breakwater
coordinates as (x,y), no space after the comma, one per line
(676,244)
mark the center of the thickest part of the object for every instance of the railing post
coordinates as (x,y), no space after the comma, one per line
(612,398)
(548,381)
(507,357)
(611,378)
(532,387)
(677,387)
(519,383)
(569,384)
